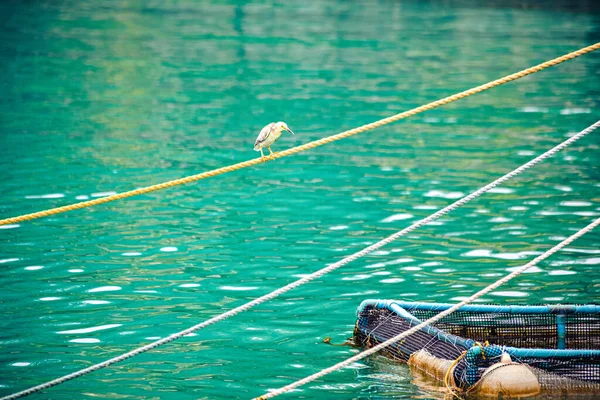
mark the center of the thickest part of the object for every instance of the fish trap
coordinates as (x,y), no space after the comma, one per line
(492,350)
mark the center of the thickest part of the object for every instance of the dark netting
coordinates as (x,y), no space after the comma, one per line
(516,330)
(378,325)
(520,330)
(583,331)
(382,324)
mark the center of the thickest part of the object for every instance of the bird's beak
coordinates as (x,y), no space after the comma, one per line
(289,130)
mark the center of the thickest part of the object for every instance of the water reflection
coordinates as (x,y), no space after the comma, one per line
(101,98)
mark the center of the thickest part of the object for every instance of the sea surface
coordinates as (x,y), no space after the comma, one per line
(99,97)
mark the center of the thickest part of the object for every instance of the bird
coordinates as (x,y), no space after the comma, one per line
(268,135)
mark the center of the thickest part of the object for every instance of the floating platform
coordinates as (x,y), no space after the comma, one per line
(489,350)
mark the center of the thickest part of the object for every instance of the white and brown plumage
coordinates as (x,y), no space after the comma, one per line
(268,135)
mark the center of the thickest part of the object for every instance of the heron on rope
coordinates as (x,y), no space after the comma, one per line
(268,135)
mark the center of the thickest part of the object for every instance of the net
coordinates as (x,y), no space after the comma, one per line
(557,343)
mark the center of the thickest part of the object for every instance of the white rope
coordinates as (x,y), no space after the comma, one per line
(307,278)
(431,320)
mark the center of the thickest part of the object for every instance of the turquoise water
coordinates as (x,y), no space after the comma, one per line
(102,97)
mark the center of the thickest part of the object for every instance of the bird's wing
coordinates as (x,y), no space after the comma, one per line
(264,133)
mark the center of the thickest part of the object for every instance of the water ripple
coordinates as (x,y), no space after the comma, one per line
(105,97)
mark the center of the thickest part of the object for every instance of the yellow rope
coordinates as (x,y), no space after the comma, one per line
(450,387)
(306,146)
(447,375)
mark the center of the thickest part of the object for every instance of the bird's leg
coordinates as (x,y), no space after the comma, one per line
(262,155)
(270,151)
